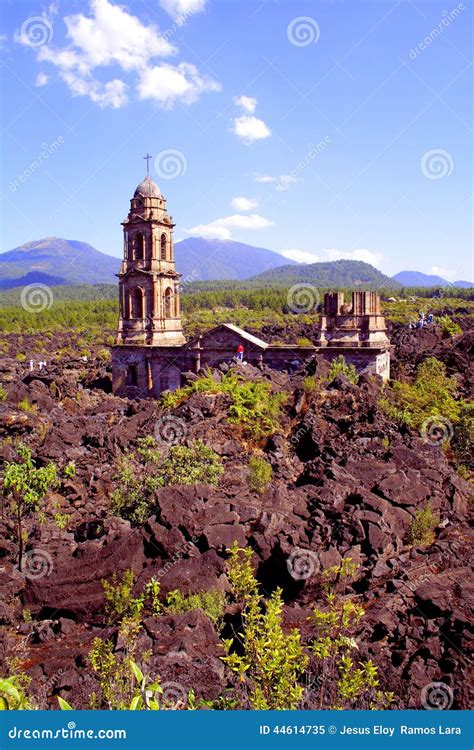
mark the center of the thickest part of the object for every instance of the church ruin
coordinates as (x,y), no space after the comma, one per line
(151,354)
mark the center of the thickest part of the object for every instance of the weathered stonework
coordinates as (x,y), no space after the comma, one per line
(152,354)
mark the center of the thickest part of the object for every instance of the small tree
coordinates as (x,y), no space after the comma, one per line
(268,661)
(260,474)
(25,486)
(339,366)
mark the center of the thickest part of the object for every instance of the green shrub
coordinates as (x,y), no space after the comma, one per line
(13,693)
(254,408)
(421,531)
(24,486)
(3,394)
(339,366)
(431,394)
(212,603)
(448,326)
(118,597)
(140,475)
(191,465)
(270,661)
(304,342)
(260,474)
(311,384)
(25,405)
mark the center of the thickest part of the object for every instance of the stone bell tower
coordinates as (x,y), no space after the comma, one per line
(149,312)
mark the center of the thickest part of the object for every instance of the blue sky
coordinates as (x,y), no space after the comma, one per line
(321,130)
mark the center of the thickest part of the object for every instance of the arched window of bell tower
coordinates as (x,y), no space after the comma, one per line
(163,247)
(138,303)
(138,246)
(168,303)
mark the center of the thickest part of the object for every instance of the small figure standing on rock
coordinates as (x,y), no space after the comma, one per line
(240,353)
(430,319)
(421,319)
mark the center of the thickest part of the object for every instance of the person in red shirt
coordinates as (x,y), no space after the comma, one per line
(240,353)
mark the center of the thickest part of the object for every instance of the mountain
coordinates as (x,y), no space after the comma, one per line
(56,261)
(463,284)
(416,278)
(338,273)
(202,260)
(33,277)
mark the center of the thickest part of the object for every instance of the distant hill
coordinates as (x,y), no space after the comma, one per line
(203,260)
(463,284)
(33,277)
(56,261)
(338,273)
(416,278)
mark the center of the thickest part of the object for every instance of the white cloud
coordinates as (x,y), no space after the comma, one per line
(180,9)
(368,256)
(3,41)
(111,36)
(264,178)
(250,129)
(247,103)
(239,203)
(301,256)
(221,228)
(165,84)
(41,79)
(111,94)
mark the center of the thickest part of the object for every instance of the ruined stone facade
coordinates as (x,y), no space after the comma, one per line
(152,354)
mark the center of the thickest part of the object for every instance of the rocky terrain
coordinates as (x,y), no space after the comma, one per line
(347,482)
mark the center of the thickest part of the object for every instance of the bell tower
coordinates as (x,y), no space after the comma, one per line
(149,310)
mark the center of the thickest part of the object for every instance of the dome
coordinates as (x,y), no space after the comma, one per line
(147,189)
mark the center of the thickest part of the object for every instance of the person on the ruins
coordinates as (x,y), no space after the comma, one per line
(240,353)
(430,319)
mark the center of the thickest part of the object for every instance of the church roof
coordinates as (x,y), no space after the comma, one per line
(147,189)
(239,332)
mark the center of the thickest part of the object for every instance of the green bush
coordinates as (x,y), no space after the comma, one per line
(191,465)
(3,394)
(431,394)
(212,603)
(140,475)
(421,531)
(254,408)
(448,326)
(260,474)
(339,366)
(270,661)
